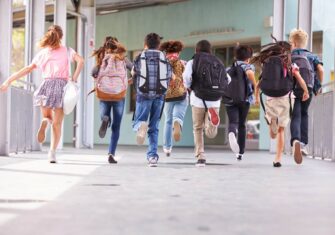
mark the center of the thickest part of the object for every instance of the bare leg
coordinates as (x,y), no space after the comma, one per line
(47,117)
(280,144)
(56,128)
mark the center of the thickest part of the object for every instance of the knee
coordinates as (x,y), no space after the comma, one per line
(56,125)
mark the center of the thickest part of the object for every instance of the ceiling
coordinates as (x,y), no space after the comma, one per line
(110,6)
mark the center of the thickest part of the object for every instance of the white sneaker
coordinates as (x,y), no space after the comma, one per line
(167,152)
(152,161)
(52,156)
(296,151)
(233,143)
(141,133)
(304,150)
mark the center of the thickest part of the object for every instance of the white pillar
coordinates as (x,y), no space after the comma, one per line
(279,19)
(35,14)
(305,19)
(60,17)
(6,27)
(85,107)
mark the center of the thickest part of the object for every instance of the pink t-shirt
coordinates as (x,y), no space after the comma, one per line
(54,63)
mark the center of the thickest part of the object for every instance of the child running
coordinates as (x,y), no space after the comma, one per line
(176,96)
(312,73)
(276,82)
(239,97)
(111,88)
(53,61)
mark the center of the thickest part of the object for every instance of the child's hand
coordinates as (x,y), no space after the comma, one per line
(305,96)
(4,86)
(257,101)
(130,81)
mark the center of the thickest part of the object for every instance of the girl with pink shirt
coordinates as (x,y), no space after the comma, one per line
(53,60)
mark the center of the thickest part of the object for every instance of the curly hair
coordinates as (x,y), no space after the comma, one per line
(52,38)
(172,46)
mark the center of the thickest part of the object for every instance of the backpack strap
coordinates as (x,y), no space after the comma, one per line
(204,102)
(144,68)
(262,102)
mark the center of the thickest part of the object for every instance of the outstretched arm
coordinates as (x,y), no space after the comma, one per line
(21,73)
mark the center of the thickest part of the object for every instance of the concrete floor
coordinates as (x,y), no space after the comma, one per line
(84,195)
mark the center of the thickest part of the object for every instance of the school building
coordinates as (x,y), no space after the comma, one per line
(222,22)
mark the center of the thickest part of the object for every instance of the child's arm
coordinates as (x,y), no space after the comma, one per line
(21,73)
(319,69)
(257,96)
(251,76)
(302,84)
(80,64)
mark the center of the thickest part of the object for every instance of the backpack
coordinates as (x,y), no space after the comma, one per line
(152,76)
(209,78)
(306,71)
(176,90)
(274,80)
(237,89)
(112,82)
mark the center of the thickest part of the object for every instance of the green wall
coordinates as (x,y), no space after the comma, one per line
(177,21)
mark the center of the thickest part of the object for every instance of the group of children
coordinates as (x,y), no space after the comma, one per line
(166,84)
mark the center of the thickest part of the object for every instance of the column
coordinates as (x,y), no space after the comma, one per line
(6,26)
(305,19)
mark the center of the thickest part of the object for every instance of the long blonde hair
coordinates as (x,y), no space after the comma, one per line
(52,38)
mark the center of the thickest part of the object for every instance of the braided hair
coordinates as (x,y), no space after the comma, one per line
(281,49)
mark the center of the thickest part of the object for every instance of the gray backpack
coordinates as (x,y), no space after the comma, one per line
(306,71)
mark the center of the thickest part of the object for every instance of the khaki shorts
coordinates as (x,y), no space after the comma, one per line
(278,108)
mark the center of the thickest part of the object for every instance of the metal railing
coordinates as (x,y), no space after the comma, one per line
(21,120)
(321,125)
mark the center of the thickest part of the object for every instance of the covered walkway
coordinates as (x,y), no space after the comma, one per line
(85,195)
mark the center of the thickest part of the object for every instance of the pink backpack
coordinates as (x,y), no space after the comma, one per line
(112,82)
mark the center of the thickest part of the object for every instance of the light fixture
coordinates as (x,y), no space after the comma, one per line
(108,12)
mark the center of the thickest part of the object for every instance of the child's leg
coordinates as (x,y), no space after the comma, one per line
(280,144)
(243,113)
(304,120)
(198,116)
(211,130)
(296,121)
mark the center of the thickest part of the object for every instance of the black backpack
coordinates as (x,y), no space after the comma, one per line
(273,81)
(237,89)
(306,71)
(209,78)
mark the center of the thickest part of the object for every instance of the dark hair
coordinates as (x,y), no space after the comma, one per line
(110,43)
(152,40)
(281,49)
(203,46)
(172,46)
(243,52)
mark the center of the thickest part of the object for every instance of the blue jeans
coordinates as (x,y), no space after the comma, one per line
(105,110)
(299,120)
(149,109)
(174,111)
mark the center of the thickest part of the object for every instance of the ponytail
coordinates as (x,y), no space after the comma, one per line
(52,38)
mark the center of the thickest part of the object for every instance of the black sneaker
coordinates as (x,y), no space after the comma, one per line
(111,159)
(103,127)
(201,162)
(239,157)
(276,164)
